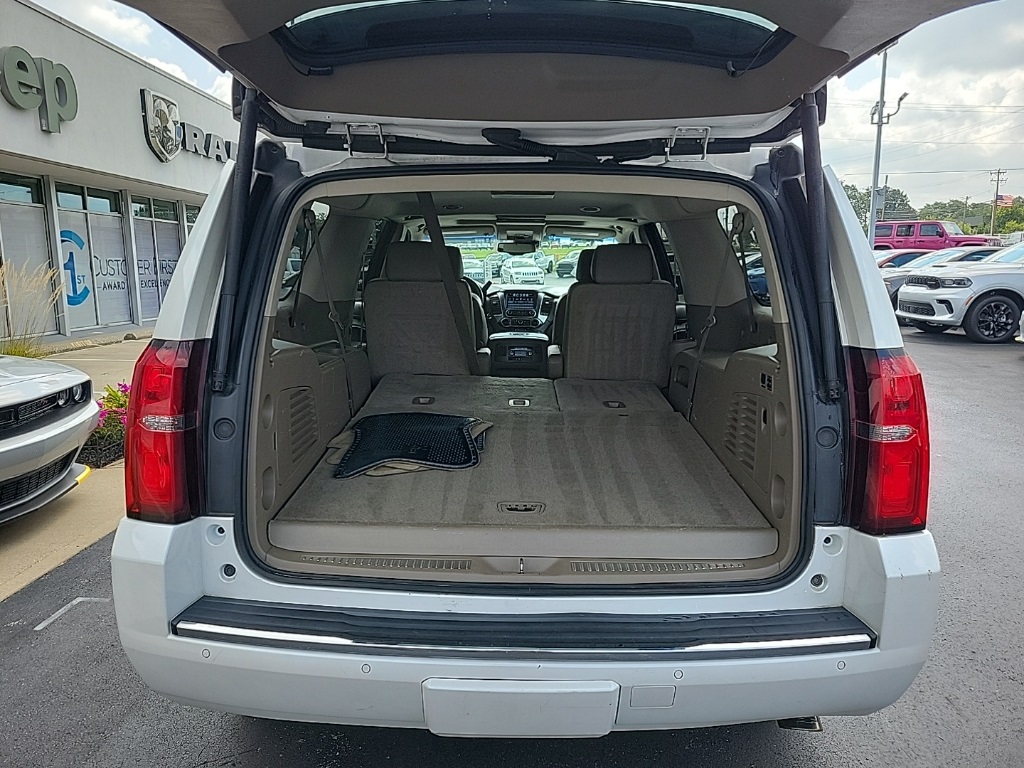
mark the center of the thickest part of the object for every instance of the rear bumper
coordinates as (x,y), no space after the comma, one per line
(891,585)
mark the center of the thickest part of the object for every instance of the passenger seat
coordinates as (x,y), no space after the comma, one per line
(620,326)
(409,322)
(583,265)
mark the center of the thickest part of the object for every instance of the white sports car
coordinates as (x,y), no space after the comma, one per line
(46,414)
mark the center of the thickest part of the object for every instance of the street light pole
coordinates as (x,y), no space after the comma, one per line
(878,110)
(880,119)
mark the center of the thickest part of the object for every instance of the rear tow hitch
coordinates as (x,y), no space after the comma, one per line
(808,724)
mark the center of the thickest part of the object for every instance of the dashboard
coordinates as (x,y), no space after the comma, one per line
(519,309)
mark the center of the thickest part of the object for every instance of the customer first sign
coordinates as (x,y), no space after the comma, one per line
(37,83)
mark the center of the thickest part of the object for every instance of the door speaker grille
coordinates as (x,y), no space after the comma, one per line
(740,437)
(303,429)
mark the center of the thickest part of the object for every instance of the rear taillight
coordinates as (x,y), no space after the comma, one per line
(889,470)
(162,451)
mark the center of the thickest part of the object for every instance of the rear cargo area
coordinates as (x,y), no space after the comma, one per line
(570,468)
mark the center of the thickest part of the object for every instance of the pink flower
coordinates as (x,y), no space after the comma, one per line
(124,388)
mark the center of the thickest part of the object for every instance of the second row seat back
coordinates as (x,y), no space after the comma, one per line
(583,264)
(620,326)
(409,323)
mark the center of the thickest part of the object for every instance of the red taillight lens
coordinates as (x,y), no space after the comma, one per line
(162,466)
(889,472)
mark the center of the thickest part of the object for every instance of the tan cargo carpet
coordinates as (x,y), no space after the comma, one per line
(641,475)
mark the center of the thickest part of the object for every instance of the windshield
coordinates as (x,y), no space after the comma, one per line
(367,31)
(932,258)
(1013,255)
(951,228)
(520,263)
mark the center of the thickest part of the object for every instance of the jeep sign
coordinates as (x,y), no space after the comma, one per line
(40,84)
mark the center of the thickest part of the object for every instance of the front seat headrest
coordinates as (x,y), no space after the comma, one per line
(623,264)
(585,266)
(413,261)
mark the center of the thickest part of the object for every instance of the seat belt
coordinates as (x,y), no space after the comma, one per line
(709,323)
(739,229)
(340,330)
(449,280)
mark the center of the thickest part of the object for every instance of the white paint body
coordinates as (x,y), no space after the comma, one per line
(890,583)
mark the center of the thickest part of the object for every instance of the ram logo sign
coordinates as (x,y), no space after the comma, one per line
(168,135)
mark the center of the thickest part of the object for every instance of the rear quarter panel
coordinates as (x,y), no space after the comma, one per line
(863,306)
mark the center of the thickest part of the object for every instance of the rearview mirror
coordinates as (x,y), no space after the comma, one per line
(518,247)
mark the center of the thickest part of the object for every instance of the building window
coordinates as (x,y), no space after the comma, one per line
(165,210)
(191,215)
(70,197)
(20,189)
(102,201)
(142,207)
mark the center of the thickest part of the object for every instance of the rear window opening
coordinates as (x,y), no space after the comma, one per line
(632,419)
(673,31)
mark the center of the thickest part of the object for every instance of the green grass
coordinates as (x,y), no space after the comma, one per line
(559,253)
(22,347)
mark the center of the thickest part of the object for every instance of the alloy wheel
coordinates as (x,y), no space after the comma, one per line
(995,320)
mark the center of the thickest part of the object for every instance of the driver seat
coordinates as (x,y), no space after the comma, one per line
(409,323)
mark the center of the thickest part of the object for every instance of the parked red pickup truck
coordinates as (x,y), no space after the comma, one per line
(930,235)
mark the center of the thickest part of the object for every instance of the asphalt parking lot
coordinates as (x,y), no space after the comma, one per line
(69,698)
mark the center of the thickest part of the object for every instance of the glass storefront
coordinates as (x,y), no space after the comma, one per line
(157,248)
(93,285)
(27,289)
(95,264)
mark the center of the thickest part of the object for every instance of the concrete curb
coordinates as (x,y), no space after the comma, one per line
(99,341)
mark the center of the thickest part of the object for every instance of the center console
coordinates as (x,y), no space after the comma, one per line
(519,355)
(520,309)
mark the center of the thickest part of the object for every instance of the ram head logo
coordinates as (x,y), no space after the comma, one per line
(163,125)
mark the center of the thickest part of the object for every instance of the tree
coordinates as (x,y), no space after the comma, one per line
(861,201)
(978,215)
(897,204)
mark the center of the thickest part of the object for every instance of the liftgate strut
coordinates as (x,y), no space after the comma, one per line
(241,185)
(814,178)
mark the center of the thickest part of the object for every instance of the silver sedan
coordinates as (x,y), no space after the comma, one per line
(46,414)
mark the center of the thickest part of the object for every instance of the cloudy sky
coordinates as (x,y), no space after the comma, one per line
(963,117)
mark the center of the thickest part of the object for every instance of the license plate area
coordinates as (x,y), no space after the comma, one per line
(520,708)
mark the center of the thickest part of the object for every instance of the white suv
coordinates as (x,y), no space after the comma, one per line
(381,496)
(985,299)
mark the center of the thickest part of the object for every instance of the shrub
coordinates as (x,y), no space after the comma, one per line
(113,413)
(28,297)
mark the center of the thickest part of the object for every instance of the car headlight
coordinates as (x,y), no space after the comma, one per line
(78,393)
(955,282)
(63,397)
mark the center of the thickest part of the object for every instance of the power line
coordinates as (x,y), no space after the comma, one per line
(922,173)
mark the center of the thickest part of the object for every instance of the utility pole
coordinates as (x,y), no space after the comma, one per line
(967,199)
(879,118)
(998,176)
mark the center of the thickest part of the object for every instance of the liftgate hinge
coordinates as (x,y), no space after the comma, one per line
(701,136)
(366,129)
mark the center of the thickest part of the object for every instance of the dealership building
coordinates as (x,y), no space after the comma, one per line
(105,162)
